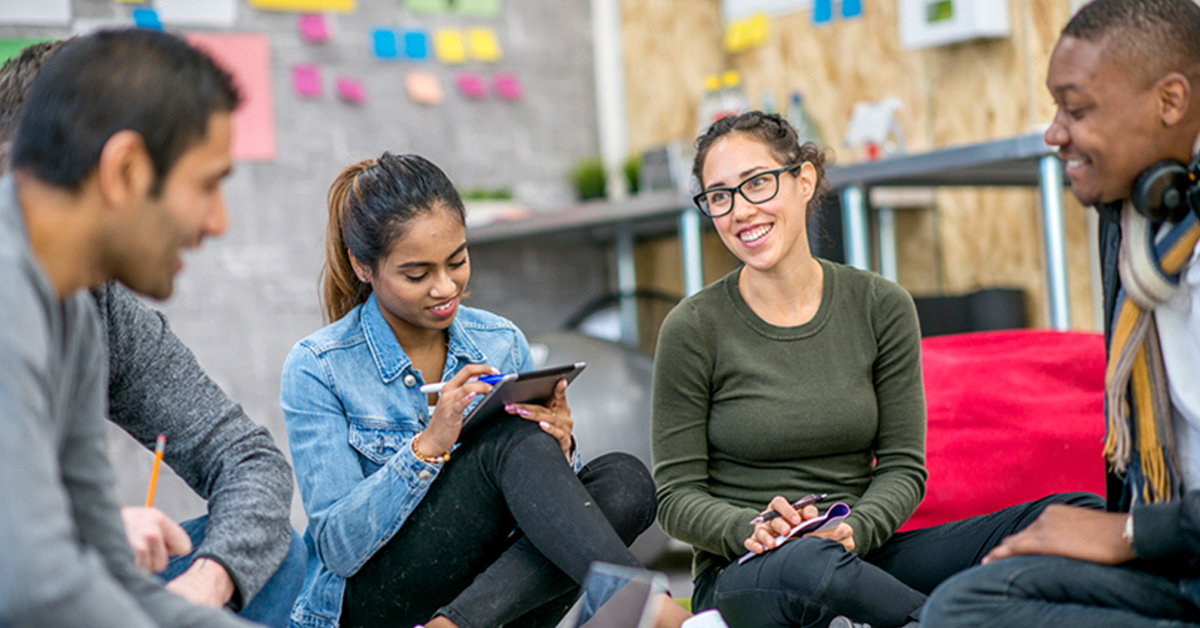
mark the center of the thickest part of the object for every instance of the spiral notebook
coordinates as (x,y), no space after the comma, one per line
(827,521)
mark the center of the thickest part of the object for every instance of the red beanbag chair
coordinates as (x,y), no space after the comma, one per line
(1013,416)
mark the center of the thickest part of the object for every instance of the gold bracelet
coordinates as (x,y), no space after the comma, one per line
(431,460)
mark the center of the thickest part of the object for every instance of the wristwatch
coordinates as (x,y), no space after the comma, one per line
(1128,534)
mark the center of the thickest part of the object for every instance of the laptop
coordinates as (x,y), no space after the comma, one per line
(616,596)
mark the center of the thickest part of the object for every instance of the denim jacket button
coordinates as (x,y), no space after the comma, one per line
(410,380)
(425,474)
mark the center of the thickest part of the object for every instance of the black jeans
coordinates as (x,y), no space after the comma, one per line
(809,581)
(504,536)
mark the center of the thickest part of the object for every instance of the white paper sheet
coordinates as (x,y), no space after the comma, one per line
(197,12)
(50,12)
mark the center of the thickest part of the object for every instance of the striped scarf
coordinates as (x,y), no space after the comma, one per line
(1140,441)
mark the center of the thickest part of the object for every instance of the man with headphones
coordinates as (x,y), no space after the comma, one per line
(1125,77)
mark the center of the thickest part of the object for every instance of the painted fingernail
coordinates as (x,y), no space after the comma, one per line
(510,408)
(470,396)
(544,425)
(523,412)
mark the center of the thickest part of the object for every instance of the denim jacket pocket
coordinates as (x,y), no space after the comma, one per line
(377,440)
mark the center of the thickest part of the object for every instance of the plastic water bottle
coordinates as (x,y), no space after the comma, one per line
(766,103)
(806,127)
(710,103)
(733,97)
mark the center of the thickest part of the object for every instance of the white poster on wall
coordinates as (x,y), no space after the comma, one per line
(739,9)
(47,12)
(221,13)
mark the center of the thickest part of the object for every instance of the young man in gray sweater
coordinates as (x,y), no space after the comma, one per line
(117,166)
(155,386)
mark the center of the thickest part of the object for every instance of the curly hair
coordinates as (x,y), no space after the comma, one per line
(779,136)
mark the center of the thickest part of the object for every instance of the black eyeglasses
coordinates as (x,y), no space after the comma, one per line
(760,188)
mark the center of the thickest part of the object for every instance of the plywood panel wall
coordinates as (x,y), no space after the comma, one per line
(951,95)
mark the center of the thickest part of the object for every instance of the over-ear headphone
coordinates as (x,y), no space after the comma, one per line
(1161,193)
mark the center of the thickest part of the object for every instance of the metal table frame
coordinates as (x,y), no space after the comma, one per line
(1021,161)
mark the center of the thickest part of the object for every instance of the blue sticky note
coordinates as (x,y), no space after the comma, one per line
(822,11)
(147,18)
(384,43)
(416,44)
(851,8)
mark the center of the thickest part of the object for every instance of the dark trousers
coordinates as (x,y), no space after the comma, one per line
(809,581)
(1032,591)
(504,536)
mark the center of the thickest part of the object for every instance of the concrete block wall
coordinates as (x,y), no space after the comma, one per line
(243,300)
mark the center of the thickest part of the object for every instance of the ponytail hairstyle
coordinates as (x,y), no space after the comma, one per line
(371,204)
(779,136)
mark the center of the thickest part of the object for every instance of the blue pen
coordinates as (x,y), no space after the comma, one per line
(436,387)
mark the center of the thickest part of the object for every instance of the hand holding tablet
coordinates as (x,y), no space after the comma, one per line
(532,387)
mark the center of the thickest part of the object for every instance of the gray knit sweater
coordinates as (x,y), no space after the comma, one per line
(64,560)
(156,386)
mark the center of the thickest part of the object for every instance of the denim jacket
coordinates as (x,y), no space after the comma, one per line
(351,402)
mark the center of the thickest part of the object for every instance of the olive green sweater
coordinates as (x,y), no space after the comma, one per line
(745,410)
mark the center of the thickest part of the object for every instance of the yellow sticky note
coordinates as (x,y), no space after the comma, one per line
(735,37)
(756,29)
(484,45)
(424,88)
(309,6)
(449,47)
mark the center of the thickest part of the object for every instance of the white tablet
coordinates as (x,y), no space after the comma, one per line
(528,387)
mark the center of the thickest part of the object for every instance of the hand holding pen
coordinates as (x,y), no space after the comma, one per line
(436,387)
(772,514)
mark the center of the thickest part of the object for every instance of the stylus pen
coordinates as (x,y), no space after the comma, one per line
(804,501)
(436,387)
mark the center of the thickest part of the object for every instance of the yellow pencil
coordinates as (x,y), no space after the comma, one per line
(159,445)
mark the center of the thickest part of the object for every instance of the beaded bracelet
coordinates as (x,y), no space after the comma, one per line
(431,460)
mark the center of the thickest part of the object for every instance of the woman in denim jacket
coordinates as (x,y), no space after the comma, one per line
(405,526)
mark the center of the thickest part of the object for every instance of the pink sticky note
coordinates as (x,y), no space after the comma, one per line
(306,80)
(507,87)
(313,28)
(471,86)
(351,90)
(247,57)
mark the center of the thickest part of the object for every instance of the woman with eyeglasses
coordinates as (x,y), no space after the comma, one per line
(795,376)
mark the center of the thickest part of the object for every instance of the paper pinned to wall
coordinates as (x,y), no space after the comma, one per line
(427,6)
(416,44)
(351,90)
(147,18)
(86,25)
(45,12)
(197,12)
(10,47)
(304,6)
(482,8)
(306,80)
(822,11)
(247,57)
(448,45)
(471,86)
(423,88)
(313,28)
(851,8)
(383,43)
(508,87)
(484,45)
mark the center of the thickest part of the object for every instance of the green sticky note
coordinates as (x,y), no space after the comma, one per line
(10,47)
(485,8)
(427,6)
